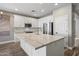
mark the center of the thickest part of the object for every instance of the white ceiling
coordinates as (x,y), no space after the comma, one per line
(26,8)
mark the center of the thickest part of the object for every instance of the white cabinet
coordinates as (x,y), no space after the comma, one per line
(53,49)
(30,50)
(19,21)
(32,21)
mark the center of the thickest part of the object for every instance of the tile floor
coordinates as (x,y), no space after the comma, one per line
(73,52)
(11,49)
(14,49)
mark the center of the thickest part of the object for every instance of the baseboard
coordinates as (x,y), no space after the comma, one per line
(7,42)
(69,47)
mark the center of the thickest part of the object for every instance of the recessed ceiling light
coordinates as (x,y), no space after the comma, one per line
(16,9)
(56,3)
(1,12)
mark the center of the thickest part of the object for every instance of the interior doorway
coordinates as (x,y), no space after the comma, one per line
(4,27)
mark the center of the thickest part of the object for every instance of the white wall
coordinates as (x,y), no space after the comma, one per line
(46,19)
(11,27)
(19,21)
(77,25)
(63,23)
(76,18)
(61,20)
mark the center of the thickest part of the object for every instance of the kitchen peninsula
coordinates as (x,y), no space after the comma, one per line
(42,44)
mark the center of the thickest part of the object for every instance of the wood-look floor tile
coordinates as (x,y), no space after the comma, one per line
(11,49)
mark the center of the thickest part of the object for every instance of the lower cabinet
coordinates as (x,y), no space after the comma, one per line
(52,49)
(30,50)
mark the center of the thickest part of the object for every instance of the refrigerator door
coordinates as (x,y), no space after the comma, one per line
(51,28)
(44,28)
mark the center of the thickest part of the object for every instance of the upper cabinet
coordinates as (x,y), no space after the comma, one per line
(19,21)
(32,21)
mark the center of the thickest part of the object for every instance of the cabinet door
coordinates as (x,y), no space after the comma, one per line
(55,48)
(19,21)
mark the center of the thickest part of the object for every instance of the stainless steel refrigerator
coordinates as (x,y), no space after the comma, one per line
(44,28)
(51,28)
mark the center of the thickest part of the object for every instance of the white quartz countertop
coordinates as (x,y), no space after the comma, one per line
(40,40)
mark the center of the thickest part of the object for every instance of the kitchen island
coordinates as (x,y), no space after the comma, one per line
(42,44)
